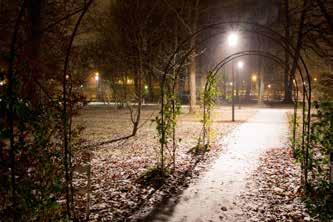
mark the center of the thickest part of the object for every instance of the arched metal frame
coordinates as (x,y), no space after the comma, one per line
(213,72)
(265,32)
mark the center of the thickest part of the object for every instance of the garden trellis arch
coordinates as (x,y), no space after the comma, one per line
(265,32)
(213,72)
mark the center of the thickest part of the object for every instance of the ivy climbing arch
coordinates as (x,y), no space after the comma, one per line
(222,28)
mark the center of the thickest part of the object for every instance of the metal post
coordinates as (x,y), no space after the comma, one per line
(233,92)
(239,88)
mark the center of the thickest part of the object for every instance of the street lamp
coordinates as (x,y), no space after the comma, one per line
(269,86)
(240,65)
(233,39)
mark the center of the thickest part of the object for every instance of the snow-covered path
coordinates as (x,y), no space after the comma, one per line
(213,197)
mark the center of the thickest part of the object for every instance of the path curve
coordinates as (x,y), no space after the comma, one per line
(213,197)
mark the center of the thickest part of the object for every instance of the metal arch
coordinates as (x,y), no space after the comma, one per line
(308,95)
(275,58)
(287,46)
(222,63)
(283,42)
(251,25)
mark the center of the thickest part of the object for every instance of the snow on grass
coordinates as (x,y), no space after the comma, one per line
(115,193)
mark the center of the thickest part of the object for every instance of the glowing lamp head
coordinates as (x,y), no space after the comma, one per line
(240,64)
(269,86)
(254,78)
(233,39)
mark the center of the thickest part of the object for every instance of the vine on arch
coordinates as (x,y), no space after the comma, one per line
(209,100)
(167,120)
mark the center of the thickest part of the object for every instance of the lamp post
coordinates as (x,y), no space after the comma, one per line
(269,86)
(232,42)
(240,66)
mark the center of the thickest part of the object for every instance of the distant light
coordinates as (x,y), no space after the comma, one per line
(233,39)
(146,87)
(2,83)
(269,86)
(230,83)
(130,81)
(240,64)
(81,86)
(96,76)
(315,79)
(254,78)
(67,76)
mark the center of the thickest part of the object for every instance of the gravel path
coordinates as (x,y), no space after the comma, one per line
(212,197)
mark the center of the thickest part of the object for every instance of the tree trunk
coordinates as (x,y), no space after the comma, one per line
(192,82)
(150,87)
(192,60)
(35,37)
(287,80)
(248,88)
(261,87)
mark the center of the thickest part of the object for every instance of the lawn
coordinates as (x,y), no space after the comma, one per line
(115,167)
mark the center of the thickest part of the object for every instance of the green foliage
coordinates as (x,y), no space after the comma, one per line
(38,150)
(322,128)
(319,200)
(167,119)
(38,169)
(319,195)
(209,100)
(295,143)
